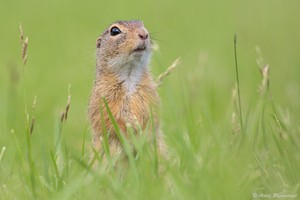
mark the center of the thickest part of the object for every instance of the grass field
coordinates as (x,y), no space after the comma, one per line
(215,153)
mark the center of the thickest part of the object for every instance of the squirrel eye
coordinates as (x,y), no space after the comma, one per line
(115,31)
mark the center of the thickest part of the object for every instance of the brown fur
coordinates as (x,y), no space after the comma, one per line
(128,104)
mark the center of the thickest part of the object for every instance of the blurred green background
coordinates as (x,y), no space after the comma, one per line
(61,51)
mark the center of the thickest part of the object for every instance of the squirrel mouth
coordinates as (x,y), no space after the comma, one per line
(139,49)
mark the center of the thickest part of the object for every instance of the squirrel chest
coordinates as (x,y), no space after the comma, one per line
(130,101)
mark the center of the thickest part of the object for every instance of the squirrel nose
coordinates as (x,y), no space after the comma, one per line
(143,35)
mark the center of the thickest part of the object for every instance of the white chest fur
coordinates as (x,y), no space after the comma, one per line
(131,77)
(132,71)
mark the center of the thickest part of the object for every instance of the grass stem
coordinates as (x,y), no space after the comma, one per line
(238,82)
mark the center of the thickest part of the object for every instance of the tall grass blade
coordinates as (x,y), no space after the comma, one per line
(56,171)
(2,153)
(155,164)
(124,143)
(105,141)
(83,145)
(238,82)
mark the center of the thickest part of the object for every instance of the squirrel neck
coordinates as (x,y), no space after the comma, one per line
(128,76)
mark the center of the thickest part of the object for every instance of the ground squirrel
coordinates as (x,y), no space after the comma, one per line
(123,79)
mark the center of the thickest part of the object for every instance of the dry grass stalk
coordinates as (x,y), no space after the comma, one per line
(64,115)
(24,45)
(264,71)
(236,127)
(265,79)
(167,72)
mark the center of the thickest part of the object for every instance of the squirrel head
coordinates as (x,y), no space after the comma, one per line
(124,44)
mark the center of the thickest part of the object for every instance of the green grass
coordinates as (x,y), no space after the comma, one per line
(211,155)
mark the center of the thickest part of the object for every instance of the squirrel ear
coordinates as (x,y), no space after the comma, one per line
(98,42)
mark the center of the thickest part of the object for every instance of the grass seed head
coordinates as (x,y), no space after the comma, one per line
(167,72)
(34,103)
(264,71)
(24,45)
(62,117)
(24,51)
(68,103)
(32,125)
(21,34)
